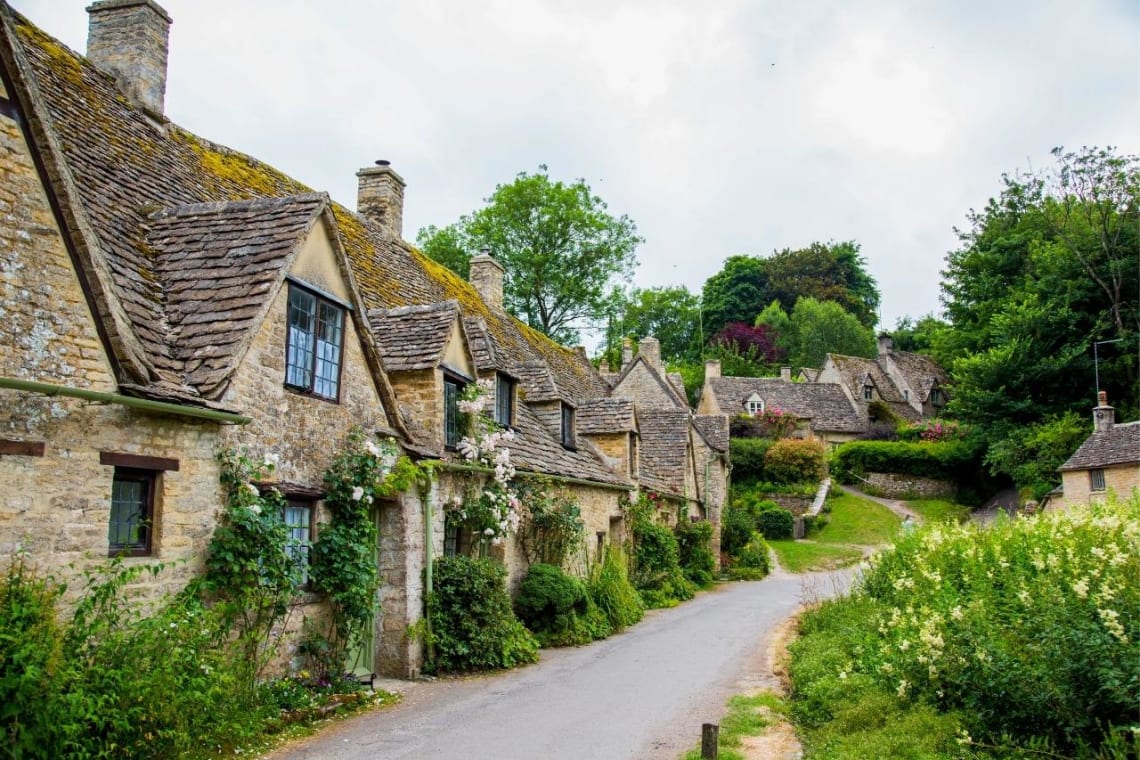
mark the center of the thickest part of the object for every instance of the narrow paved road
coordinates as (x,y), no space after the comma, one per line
(641,694)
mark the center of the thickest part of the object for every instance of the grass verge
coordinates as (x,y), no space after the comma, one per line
(806,556)
(746,716)
(854,520)
(939,510)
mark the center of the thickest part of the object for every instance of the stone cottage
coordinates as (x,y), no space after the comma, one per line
(166,298)
(1107,462)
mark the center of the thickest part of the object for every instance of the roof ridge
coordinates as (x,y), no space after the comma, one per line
(214,207)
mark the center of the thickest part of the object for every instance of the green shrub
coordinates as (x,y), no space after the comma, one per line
(556,608)
(747,456)
(657,573)
(1025,632)
(752,562)
(795,460)
(610,590)
(694,544)
(775,524)
(741,519)
(943,461)
(472,624)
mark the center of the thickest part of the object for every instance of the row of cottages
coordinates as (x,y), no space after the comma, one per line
(839,401)
(165,298)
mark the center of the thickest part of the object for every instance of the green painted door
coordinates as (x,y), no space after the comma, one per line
(361,659)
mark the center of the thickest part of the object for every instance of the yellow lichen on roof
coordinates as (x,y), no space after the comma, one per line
(237,175)
(453,285)
(378,288)
(65,62)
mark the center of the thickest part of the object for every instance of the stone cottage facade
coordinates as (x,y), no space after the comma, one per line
(166,298)
(1108,462)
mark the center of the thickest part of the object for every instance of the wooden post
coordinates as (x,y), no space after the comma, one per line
(709,734)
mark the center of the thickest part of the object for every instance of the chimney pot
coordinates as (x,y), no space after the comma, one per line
(486,275)
(380,197)
(130,40)
(1104,416)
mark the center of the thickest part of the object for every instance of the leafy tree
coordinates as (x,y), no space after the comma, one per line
(1044,270)
(822,327)
(1031,454)
(826,272)
(670,314)
(926,335)
(560,247)
(736,293)
(756,343)
(779,324)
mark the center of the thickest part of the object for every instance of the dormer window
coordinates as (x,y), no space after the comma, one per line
(755,406)
(504,400)
(936,397)
(568,440)
(313,344)
(906,395)
(868,392)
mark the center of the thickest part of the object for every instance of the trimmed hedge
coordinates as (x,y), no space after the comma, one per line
(942,461)
(557,609)
(747,455)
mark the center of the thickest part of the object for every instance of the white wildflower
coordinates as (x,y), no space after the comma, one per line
(357,493)
(1081,588)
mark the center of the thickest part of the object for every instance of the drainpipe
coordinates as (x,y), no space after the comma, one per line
(132,402)
(429,540)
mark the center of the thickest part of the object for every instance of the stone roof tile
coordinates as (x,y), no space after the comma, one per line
(824,404)
(664,445)
(1117,446)
(606,415)
(714,429)
(412,338)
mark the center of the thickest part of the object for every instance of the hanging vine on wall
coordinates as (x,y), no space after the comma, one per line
(490,511)
(248,571)
(342,561)
(551,523)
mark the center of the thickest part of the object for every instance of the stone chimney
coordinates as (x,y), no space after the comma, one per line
(885,344)
(486,275)
(380,197)
(1104,416)
(650,349)
(129,39)
(786,374)
(626,351)
(712,368)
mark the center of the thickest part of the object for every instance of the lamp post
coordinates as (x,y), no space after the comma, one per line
(1096,359)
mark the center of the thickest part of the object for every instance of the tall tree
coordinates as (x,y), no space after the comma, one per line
(1044,271)
(823,327)
(561,249)
(826,272)
(737,293)
(670,314)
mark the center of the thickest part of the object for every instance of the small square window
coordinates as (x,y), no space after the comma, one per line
(298,516)
(314,344)
(131,525)
(504,400)
(1096,480)
(568,426)
(451,390)
(755,407)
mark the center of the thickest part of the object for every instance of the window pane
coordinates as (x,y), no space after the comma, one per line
(1096,478)
(129,526)
(297,523)
(300,339)
(504,391)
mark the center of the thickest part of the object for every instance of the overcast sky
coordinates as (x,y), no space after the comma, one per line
(720,128)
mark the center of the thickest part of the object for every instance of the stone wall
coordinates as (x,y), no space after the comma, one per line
(420,396)
(641,386)
(894,486)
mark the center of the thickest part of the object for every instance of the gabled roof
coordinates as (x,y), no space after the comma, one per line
(676,398)
(214,265)
(856,371)
(810,375)
(1116,446)
(920,372)
(606,415)
(536,450)
(664,446)
(824,404)
(714,429)
(537,381)
(413,338)
(479,343)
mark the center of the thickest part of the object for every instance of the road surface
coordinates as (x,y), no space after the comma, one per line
(640,694)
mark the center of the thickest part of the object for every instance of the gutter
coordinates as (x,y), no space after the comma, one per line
(561,479)
(132,402)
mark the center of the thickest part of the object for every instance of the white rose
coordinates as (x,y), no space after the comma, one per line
(357,493)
